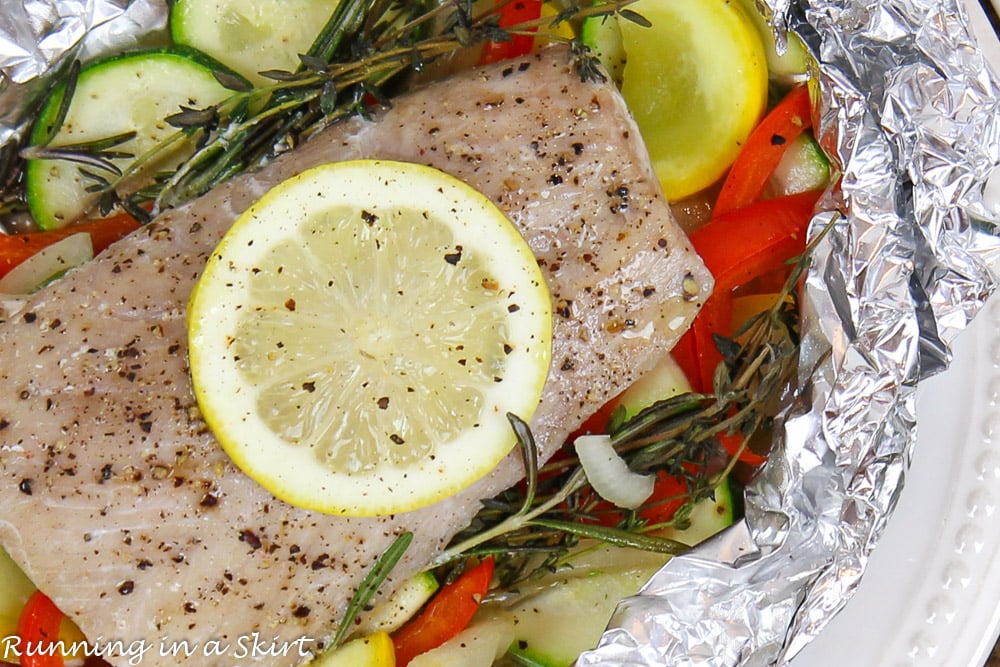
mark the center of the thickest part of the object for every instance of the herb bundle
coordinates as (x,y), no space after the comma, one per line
(532,528)
(366,52)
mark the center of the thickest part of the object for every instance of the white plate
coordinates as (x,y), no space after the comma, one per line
(931,594)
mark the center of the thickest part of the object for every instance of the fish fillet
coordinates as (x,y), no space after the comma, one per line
(118,502)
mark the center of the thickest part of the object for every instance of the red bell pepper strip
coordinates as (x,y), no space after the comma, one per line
(15,248)
(447,613)
(512,13)
(763,151)
(38,628)
(737,247)
(732,444)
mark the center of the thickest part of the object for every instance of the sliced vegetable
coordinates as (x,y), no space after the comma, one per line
(373,650)
(481,643)
(123,94)
(665,380)
(763,151)
(603,35)
(48,264)
(565,613)
(447,614)
(512,13)
(708,516)
(402,605)
(568,617)
(38,629)
(737,247)
(697,85)
(250,36)
(803,167)
(15,590)
(15,248)
(609,474)
(792,63)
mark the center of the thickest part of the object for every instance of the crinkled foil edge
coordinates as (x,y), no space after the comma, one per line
(908,108)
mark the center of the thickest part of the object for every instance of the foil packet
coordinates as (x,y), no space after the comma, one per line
(909,109)
(909,112)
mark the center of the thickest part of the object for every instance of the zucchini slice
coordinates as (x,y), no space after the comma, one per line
(134,92)
(603,36)
(566,612)
(15,589)
(251,36)
(803,167)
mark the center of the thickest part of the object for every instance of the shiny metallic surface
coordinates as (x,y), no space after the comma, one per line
(909,111)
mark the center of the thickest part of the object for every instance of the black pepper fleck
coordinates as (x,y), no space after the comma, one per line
(250,538)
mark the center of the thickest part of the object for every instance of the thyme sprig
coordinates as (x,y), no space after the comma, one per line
(364,54)
(534,526)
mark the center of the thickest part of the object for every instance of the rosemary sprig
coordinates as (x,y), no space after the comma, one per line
(370,584)
(533,527)
(364,54)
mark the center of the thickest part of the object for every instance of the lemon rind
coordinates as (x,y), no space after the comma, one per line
(292,474)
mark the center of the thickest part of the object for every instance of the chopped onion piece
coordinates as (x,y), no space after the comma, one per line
(609,474)
(48,263)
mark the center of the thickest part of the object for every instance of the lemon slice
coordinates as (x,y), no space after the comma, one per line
(696,83)
(359,335)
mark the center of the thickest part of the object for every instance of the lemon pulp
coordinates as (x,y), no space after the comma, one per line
(360,334)
(696,83)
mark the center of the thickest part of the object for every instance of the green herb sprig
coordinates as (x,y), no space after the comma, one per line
(533,527)
(367,51)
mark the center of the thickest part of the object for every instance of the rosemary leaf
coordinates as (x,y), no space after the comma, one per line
(354,67)
(371,583)
(345,20)
(53,128)
(529,456)
(616,536)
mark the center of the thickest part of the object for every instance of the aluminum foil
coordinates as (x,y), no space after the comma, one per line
(909,111)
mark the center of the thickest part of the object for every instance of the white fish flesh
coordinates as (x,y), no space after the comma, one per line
(119,504)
